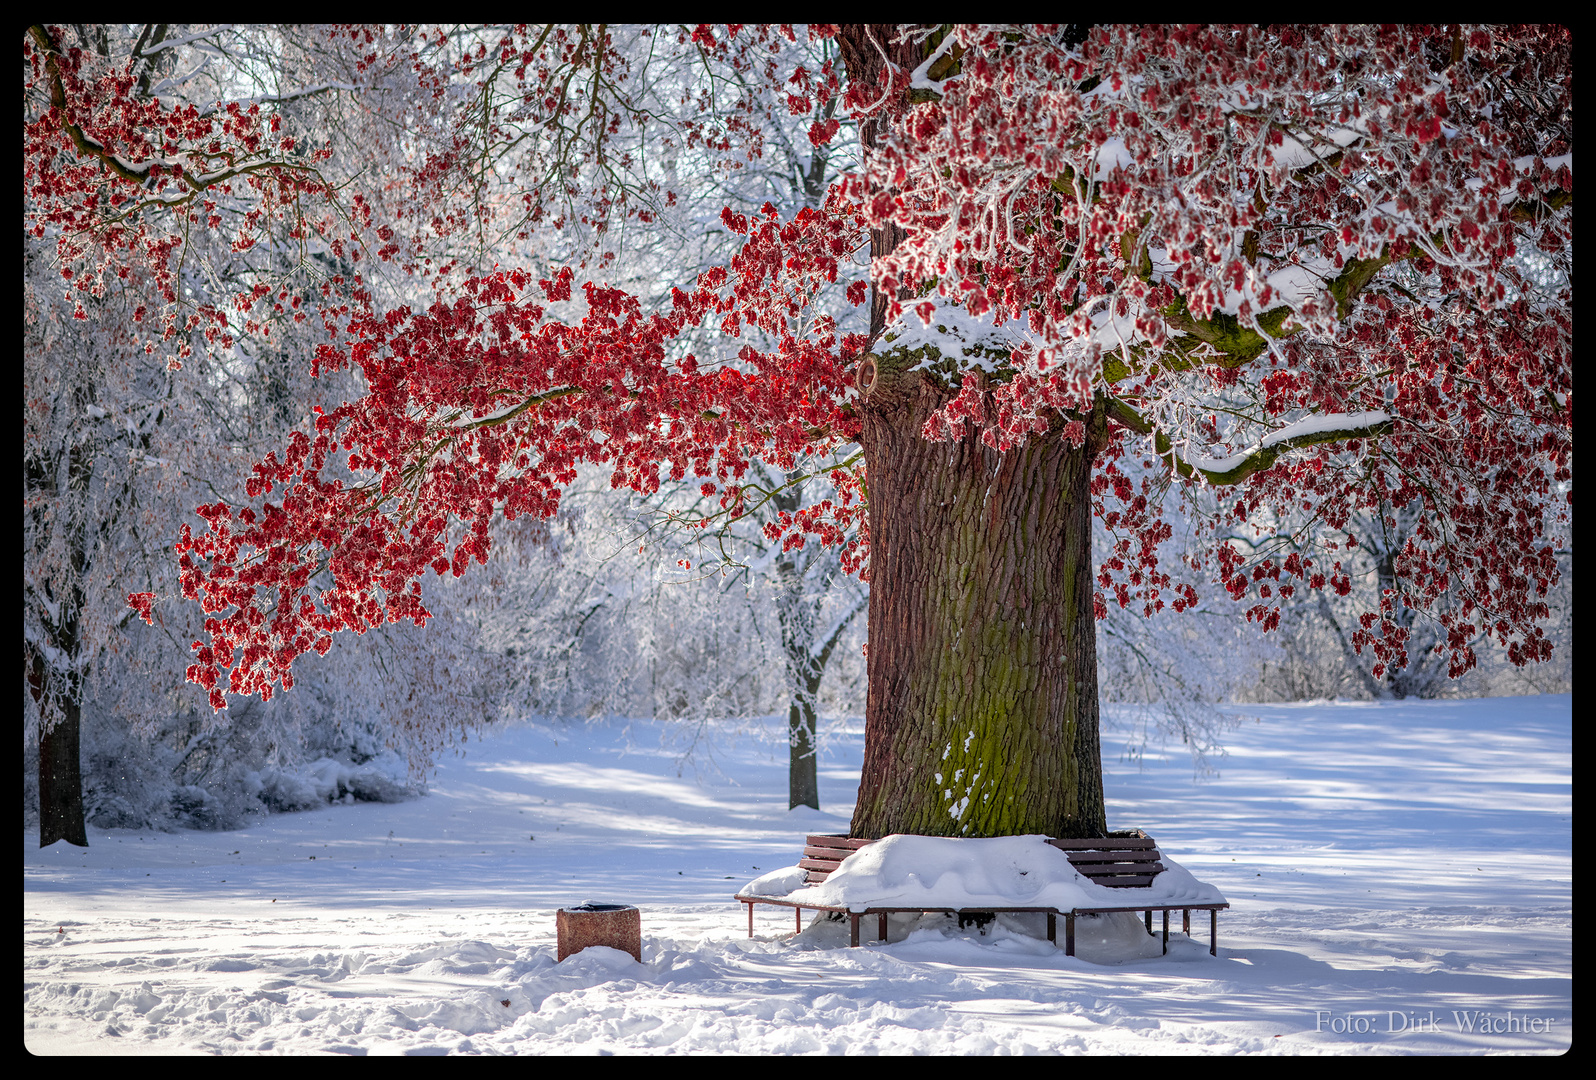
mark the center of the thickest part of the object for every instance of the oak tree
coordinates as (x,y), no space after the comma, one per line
(1300,276)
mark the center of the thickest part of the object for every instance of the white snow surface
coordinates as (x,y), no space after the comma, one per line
(948,872)
(1400,875)
(952,327)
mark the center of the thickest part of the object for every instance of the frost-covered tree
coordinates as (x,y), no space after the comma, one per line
(1316,657)
(785,592)
(145,383)
(628,606)
(1283,264)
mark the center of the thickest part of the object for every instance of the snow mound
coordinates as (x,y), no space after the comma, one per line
(328,780)
(947,872)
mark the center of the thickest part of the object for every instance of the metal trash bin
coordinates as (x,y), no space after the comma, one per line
(619,926)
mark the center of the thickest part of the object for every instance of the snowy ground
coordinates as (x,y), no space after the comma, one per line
(1400,876)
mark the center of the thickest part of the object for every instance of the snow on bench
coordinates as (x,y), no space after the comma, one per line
(975,879)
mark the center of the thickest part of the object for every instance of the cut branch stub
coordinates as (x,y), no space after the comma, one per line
(865,377)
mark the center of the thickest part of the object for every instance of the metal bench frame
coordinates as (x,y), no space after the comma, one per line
(1127,860)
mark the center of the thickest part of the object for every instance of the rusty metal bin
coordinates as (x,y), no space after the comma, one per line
(619,926)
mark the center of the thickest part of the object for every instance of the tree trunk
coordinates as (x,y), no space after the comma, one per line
(54,671)
(981,717)
(803,780)
(795,613)
(981,713)
(60,761)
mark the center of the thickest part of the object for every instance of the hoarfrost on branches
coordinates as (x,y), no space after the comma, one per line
(1310,276)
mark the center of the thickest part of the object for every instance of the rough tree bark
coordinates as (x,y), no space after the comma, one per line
(981,717)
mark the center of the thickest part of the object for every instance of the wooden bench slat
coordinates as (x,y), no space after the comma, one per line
(1104,844)
(1107,869)
(823,865)
(837,854)
(1144,856)
(1124,862)
(1091,869)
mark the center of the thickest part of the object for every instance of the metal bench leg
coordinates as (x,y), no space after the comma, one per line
(1213,932)
(1149,921)
(797,920)
(1069,934)
(1166,932)
(1052,928)
(1185,922)
(853,929)
(750,920)
(881,927)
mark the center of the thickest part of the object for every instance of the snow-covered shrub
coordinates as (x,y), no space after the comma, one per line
(284,791)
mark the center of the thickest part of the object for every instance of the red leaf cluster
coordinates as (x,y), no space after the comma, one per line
(1328,265)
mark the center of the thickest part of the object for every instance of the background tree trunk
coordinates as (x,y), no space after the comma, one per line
(795,612)
(61,782)
(803,780)
(60,757)
(55,669)
(804,577)
(982,714)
